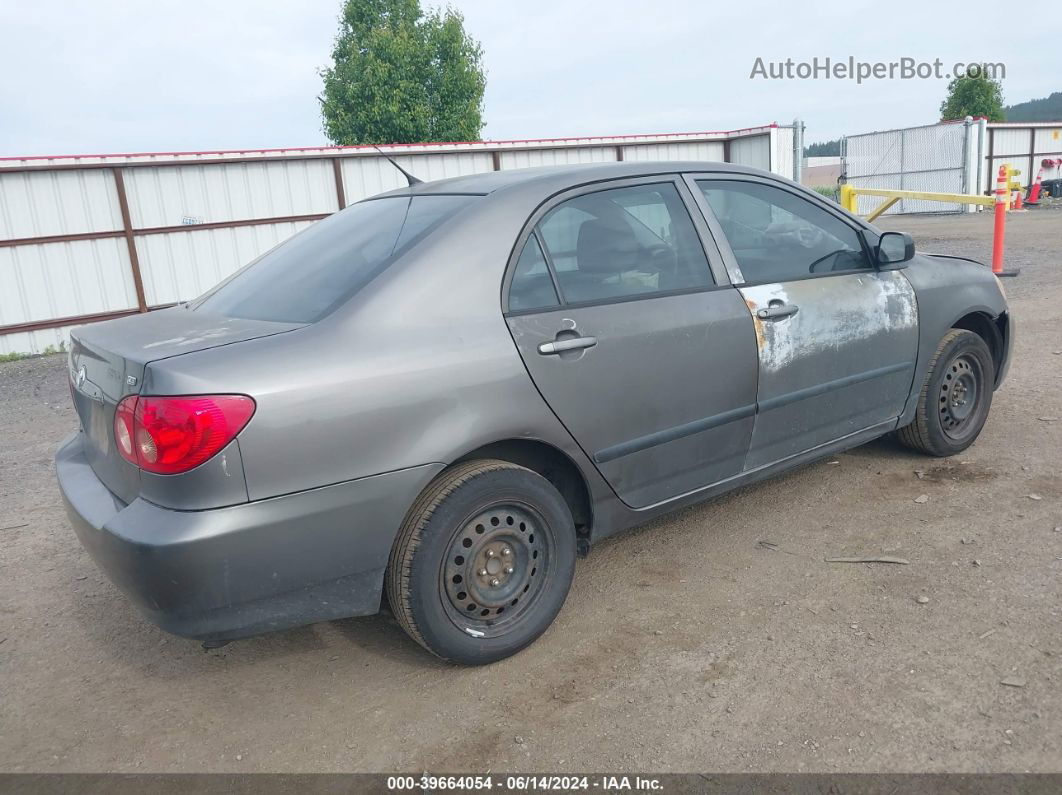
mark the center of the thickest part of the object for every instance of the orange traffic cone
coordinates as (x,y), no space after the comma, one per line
(1034,190)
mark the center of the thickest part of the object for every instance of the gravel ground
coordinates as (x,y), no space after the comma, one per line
(685,646)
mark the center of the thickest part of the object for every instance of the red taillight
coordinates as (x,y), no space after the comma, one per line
(168,435)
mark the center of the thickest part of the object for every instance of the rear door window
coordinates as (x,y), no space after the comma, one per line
(624,242)
(532,286)
(312,273)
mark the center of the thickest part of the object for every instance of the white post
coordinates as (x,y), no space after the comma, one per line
(969,170)
(798,149)
(982,167)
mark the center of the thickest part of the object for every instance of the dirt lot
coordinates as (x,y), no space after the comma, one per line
(685,646)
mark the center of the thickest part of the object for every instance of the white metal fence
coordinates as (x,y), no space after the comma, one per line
(86,238)
(1021,145)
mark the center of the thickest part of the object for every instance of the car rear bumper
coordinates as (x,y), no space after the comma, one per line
(261,566)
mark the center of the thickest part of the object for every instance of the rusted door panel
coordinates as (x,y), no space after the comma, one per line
(842,363)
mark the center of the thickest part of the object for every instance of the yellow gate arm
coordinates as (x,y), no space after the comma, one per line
(849,194)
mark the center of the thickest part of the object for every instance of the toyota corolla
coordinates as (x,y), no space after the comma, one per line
(441,396)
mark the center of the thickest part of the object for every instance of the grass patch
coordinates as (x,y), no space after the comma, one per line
(51,350)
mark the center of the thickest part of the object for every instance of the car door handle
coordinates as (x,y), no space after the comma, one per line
(776,310)
(560,346)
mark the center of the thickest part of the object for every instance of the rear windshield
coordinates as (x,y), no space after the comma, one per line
(309,275)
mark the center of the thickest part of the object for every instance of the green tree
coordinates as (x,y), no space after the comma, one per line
(976,95)
(399,75)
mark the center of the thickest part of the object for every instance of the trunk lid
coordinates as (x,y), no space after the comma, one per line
(108,362)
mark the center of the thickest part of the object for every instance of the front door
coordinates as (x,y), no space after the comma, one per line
(650,364)
(837,338)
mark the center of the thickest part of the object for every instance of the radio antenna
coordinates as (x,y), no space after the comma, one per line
(409,177)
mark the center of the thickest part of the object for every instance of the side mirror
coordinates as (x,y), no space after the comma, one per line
(894,249)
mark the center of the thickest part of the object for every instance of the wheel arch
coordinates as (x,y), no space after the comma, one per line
(552,464)
(990,329)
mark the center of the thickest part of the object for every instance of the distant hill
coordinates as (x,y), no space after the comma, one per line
(1046,109)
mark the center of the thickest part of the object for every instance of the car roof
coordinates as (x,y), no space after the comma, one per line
(551,179)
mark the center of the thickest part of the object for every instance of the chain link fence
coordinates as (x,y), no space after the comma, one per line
(934,158)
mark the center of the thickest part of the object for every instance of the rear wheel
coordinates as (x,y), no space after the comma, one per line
(483,562)
(955,398)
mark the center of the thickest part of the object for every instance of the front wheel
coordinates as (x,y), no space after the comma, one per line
(483,562)
(955,398)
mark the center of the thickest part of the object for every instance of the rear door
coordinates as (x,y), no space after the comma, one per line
(646,355)
(837,338)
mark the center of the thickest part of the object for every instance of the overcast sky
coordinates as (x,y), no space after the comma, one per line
(111,76)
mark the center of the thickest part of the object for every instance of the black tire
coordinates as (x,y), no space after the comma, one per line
(483,562)
(955,398)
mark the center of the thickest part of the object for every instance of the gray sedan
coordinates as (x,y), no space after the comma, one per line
(446,393)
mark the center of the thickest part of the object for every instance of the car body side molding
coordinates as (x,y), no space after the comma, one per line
(829,386)
(673,433)
(696,426)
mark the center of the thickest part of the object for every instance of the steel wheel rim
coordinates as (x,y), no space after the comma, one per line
(496,568)
(960,396)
